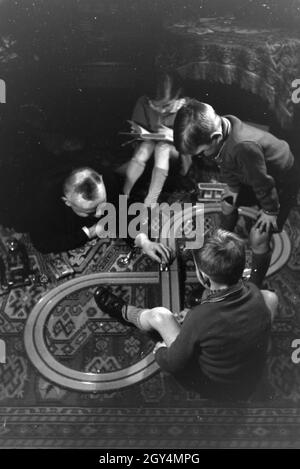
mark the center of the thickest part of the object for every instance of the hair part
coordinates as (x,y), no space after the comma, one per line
(83,182)
(222,257)
(194,125)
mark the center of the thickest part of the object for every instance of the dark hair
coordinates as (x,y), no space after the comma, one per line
(222,257)
(166,84)
(84,185)
(193,126)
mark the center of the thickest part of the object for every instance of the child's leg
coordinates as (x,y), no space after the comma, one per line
(260,242)
(229,215)
(229,220)
(162,154)
(137,165)
(159,319)
(271,300)
(261,255)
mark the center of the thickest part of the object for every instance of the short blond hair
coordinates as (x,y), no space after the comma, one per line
(83,182)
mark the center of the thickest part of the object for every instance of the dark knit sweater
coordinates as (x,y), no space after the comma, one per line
(224,339)
(256,158)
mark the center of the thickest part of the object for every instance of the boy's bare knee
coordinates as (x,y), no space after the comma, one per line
(163,146)
(159,315)
(271,300)
(141,157)
(143,152)
(259,242)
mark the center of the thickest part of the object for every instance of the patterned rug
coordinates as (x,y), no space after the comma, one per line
(130,403)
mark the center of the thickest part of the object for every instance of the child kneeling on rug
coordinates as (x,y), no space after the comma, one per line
(258,168)
(221,347)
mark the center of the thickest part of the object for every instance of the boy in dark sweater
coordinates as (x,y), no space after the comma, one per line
(69,210)
(257,167)
(221,347)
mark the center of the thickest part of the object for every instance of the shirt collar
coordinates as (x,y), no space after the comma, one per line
(216,296)
(226,128)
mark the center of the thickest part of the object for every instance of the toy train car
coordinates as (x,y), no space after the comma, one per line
(210,191)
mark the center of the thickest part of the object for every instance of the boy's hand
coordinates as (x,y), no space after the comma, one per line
(97,230)
(135,128)
(157,251)
(180,317)
(166,132)
(265,222)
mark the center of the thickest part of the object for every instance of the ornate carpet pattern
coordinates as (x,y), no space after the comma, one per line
(153,411)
